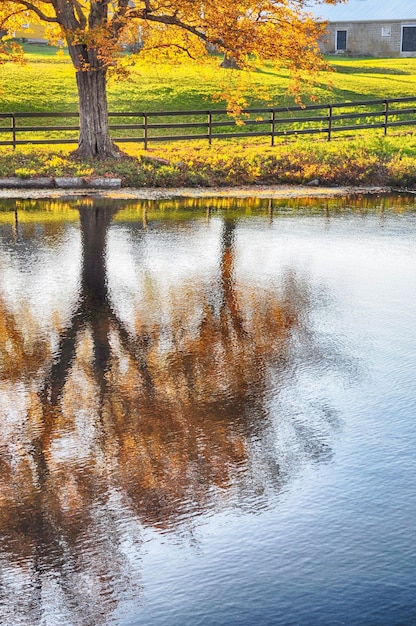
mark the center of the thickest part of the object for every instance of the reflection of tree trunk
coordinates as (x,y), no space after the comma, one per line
(270,211)
(55,381)
(94,288)
(92,305)
(229,308)
(16,226)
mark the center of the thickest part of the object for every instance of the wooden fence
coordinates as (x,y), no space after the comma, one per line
(139,127)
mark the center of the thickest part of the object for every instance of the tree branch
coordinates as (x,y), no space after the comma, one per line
(117,21)
(31,7)
(98,13)
(80,15)
(173,20)
(172,45)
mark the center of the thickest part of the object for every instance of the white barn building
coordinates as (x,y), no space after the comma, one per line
(370,28)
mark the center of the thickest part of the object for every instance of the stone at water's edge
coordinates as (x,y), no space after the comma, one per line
(101,182)
(26,183)
(69,182)
(60,182)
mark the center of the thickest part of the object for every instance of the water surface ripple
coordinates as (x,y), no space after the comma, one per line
(207,412)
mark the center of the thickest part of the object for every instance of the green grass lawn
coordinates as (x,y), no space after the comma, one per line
(47,83)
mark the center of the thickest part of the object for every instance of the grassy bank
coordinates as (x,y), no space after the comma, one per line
(370,161)
(47,83)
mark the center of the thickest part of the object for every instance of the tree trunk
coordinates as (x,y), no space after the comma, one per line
(94,134)
(229,63)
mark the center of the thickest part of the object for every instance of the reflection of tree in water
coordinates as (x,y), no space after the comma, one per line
(127,428)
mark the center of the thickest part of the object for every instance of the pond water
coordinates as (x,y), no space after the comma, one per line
(208,412)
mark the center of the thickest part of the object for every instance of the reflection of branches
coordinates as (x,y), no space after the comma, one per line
(136,347)
(20,356)
(171,417)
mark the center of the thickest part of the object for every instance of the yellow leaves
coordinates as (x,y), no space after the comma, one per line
(250,32)
(57,163)
(170,44)
(10,51)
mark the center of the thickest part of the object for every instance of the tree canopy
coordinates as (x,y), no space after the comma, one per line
(97,31)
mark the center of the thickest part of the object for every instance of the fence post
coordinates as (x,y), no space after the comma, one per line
(14,131)
(329,121)
(209,127)
(145,130)
(272,122)
(386,116)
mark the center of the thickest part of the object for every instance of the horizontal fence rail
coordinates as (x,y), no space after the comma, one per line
(274,122)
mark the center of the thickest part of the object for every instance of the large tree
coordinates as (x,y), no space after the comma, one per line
(281,31)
